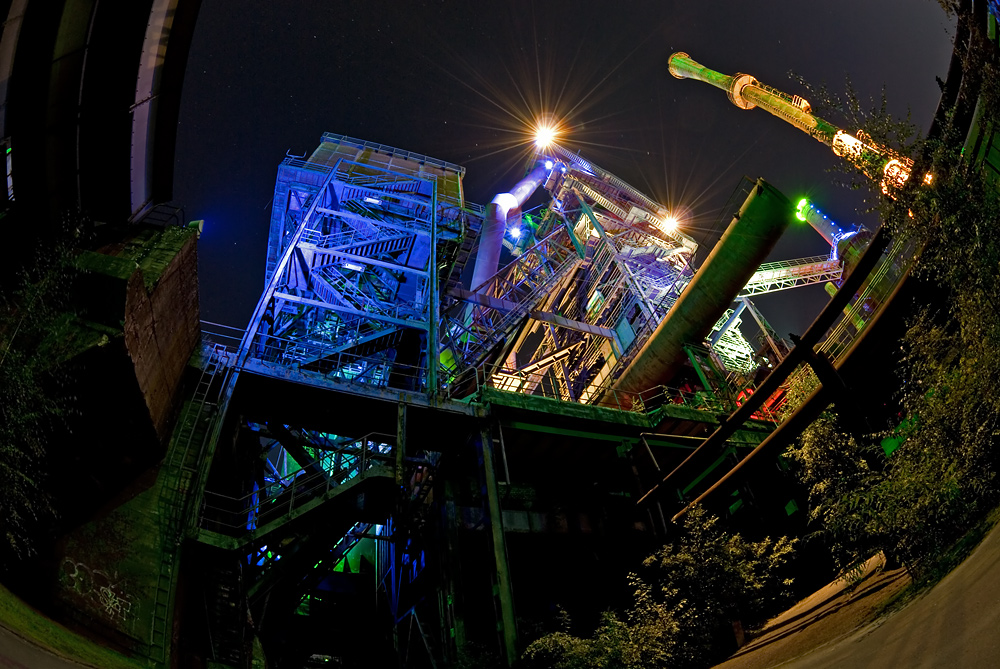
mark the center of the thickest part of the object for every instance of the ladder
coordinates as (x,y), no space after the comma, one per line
(176,474)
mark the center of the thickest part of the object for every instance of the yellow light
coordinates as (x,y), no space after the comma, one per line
(895,173)
(669,223)
(847,146)
(928,178)
(545,135)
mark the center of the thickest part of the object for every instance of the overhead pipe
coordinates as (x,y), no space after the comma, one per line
(812,406)
(747,241)
(744,91)
(495,223)
(714,443)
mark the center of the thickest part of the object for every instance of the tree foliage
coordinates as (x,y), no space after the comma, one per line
(685,600)
(33,400)
(916,502)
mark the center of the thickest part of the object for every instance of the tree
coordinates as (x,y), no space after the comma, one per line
(32,401)
(712,580)
(840,473)
(686,598)
(916,502)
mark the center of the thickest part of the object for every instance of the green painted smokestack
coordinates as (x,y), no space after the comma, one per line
(750,237)
(746,93)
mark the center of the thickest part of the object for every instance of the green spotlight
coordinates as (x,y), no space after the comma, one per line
(800,209)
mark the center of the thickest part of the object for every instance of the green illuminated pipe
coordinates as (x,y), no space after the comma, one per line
(750,237)
(828,229)
(746,93)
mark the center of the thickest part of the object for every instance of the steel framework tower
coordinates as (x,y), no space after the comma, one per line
(361,236)
(586,287)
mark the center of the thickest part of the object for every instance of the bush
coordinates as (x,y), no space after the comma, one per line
(685,601)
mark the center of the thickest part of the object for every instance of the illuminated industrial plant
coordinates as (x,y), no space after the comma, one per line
(443,417)
(425,381)
(420,370)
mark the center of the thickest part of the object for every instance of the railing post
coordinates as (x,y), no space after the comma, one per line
(433,354)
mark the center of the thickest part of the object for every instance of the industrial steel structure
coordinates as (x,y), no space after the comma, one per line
(435,402)
(387,310)
(878,162)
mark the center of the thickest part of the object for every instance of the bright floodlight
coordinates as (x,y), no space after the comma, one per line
(544,136)
(800,209)
(515,233)
(670,223)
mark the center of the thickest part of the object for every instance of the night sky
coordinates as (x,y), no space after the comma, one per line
(459,80)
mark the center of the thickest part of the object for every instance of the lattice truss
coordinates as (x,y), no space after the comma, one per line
(357,231)
(774,276)
(570,310)
(735,352)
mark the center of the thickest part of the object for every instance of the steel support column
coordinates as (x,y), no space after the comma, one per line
(647,308)
(434,295)
(506,592)
(699,371)
(400,442)
(451,576)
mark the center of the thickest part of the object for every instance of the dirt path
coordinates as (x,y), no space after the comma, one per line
(830,613)
(19,653)
(953,624)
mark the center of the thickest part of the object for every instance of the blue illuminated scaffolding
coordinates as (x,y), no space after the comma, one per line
(359,235)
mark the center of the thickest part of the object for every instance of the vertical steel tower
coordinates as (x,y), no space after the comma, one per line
(359,236)
(586,286)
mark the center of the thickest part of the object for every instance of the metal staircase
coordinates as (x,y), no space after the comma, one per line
(236,523)
(308,564)
(506,299)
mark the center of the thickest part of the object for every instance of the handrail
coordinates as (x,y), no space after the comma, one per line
(644,401)
(228,513)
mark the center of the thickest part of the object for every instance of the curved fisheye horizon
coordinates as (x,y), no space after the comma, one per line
(508,335)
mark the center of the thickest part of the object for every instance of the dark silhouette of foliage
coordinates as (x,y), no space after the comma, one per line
(685,601)
(32,382)
(914,503)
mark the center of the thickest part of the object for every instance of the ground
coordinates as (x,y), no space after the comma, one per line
(830,613)
(951,624)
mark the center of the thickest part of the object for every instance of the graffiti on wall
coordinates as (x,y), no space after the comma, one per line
(103,590)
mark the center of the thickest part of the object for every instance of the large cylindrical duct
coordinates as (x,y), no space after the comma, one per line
(750,237)
(495,222)
(818,221)
(849,244)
